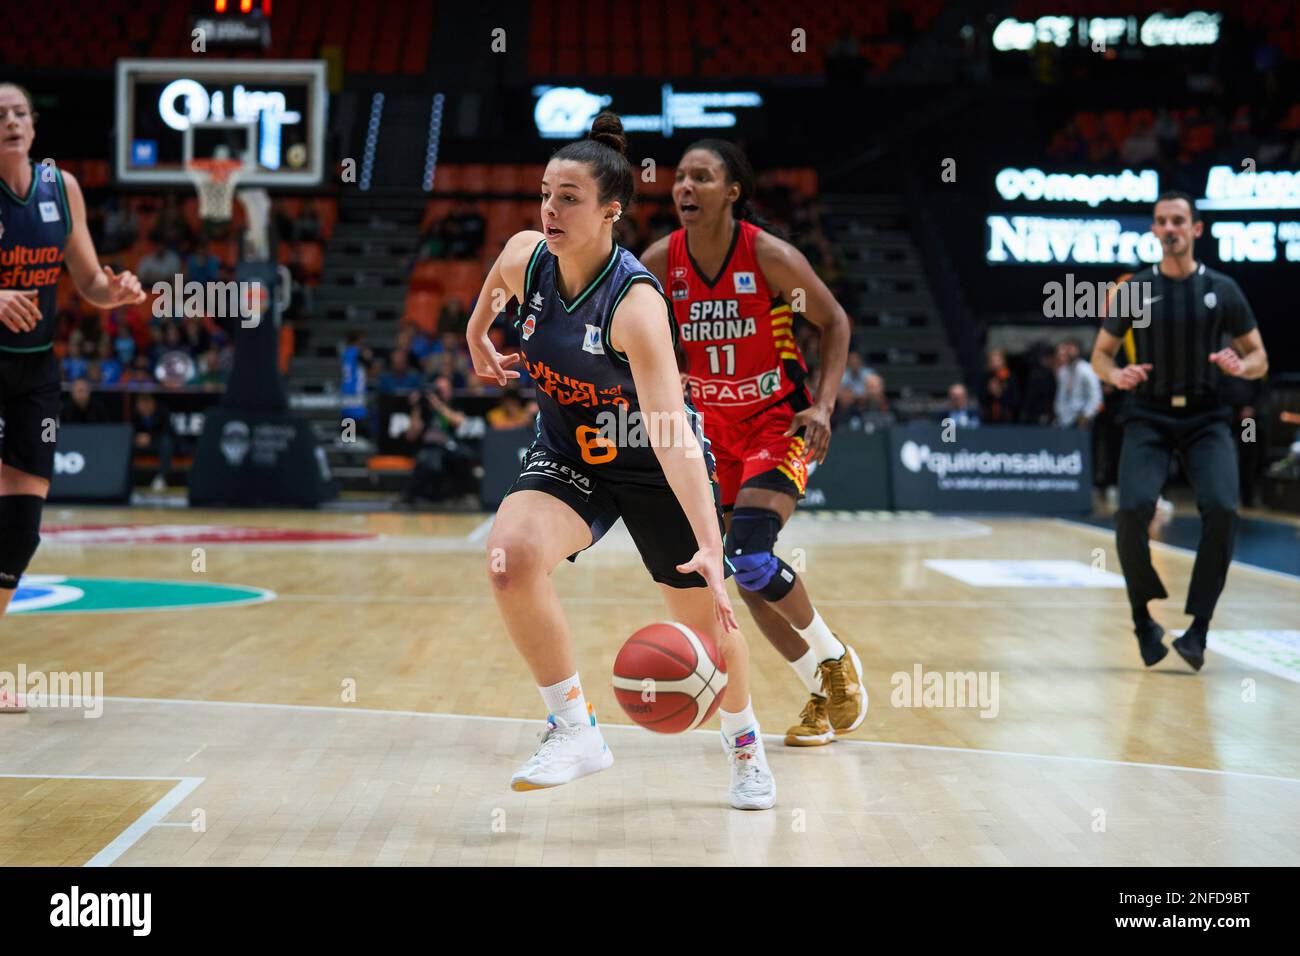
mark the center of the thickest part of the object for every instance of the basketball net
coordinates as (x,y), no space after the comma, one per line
(215,181)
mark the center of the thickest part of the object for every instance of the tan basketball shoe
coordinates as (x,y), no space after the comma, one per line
(846,697)
(814,727)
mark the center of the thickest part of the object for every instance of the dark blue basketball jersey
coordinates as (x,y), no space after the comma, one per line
(33,232)
(586,396)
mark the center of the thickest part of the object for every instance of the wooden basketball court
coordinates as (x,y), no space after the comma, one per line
(363,705)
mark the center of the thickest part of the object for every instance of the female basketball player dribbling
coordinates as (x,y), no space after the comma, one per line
(730,283)
(42,227)
(597,334)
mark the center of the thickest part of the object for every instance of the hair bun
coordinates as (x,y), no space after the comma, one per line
(607,129)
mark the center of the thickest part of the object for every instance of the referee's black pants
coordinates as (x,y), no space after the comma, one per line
(1209,457)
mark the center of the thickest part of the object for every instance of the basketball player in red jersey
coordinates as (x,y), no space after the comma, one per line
(42,228)
(730,284)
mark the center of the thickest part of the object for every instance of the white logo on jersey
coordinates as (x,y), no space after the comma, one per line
(735,392)
(49,212)
(714,309)
(1210,300)
(536,301)
(591,341)
(744,282)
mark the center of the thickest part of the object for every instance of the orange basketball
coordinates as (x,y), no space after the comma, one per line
(669,677)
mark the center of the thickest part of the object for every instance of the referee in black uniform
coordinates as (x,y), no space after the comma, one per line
(1177,359)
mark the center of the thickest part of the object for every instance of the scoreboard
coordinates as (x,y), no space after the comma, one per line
(231,23)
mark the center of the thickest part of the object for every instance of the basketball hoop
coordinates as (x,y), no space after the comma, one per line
(215,180)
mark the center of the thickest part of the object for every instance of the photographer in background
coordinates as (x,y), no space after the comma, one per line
(443,465)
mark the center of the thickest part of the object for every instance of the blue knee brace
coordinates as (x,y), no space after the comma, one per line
(748,547)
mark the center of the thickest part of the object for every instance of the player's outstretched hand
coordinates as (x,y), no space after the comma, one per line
(123,288)
(1130,376)
(18,311)
(1228,361)
(709,563)
(815,420)
(489,363)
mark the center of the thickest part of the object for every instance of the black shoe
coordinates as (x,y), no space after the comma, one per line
(1150,637)
(1191,646)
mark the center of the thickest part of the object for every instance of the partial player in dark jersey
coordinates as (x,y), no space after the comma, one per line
(42,229)
(1178,316)
(597,339)
(733,289)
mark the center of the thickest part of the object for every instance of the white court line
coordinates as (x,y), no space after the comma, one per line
(832,602)
(147,820)
(481,532)
(316,708)
(1109,533)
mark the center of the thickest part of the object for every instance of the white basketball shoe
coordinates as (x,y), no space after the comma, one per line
(752,785)
(567,752)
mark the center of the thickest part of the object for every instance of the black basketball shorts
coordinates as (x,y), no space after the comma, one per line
(29,404)
(654,518)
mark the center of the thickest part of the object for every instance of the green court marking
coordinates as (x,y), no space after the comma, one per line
(74,595)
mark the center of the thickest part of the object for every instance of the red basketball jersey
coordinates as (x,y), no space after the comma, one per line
(741,355)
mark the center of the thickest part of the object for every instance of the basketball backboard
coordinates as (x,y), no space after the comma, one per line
(280,103)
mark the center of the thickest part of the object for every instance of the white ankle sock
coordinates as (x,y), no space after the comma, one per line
(825,645)
(566,700)
(737,724)
(806,668)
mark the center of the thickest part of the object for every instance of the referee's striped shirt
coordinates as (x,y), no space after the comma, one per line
(1186,320)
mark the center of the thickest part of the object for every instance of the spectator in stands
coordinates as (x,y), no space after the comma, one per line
(443,467)
(1000,397)
(451,365)
(421,346)
(960,409)
(875,406)
(405,336)
(1078,390)
(855,375)
(1039,406)
(74,362)
(160,264)
(110,367)
(512,411)
(212,369)
(202,264)
(153,435)
(399,378)
(195,338)
(124,345)
(433,243)
(82,407)
(172,340)
(156,346)
(354,360)
(873,395)
(140,371)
